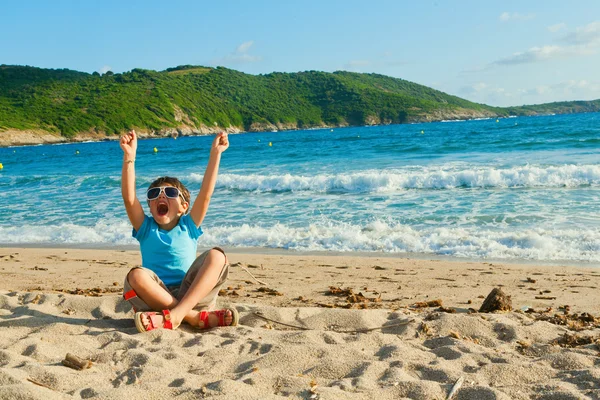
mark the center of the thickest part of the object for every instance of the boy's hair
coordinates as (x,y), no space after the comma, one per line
(175,183)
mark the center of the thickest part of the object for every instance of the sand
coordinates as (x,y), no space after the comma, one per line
(353,330)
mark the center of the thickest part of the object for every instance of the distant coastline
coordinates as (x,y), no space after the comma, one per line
(34,137)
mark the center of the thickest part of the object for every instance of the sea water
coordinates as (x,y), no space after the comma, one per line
(524,188)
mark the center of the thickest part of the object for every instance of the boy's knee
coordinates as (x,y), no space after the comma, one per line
(135,276)
(217,255)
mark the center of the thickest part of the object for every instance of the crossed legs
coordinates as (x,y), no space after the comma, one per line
(157,298)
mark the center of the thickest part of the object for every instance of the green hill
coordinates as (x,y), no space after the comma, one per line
(194,99)
(563,107)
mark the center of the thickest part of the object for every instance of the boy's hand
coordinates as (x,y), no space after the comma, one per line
(129,144)
(221,143)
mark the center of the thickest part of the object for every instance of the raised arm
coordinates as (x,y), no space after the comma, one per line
(219,145)
(134,209)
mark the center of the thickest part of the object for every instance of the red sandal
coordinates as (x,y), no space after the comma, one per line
(166,323)
(235,317)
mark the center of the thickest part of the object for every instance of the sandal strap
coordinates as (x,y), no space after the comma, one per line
(151,325)
(220,314)
(204,318)
(167,324)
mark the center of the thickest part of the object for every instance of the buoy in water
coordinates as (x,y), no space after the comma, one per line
(422,132)
(1,166)
(155,150)
(270,144)
(258,140)
(76,151)
(332,130)
(497,120)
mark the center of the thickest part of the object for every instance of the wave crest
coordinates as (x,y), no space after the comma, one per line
(425,178)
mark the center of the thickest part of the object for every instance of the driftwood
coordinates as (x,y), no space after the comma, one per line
(253,277)
(72,361)
(497,300)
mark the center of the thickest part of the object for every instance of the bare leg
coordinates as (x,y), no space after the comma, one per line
(150,291)
(204,282)
(159,299)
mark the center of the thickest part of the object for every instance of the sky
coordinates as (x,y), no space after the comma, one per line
(499,53)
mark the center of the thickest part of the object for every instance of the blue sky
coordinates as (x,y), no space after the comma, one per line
(499,53)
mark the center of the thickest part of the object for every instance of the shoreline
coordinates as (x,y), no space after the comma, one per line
(35,137)
(325,253)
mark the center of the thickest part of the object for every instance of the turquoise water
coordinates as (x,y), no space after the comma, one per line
(524,188)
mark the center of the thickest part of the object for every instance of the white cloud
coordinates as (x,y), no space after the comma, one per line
(565,91)
(105,69)
(244,47)
(534,54)
(545,53)
(480,86)
(538,90)
(239,56)
(588,35)
(506,17)
(583,41)
(571,90)
(482,90)
(557,27)
(581,87)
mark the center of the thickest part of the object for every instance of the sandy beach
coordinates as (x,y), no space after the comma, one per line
(311,327)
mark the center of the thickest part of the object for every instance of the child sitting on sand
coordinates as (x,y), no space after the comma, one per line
(172,283)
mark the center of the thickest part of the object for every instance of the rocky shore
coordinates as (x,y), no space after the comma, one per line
(15,137)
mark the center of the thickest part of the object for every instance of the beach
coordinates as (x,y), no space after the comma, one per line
(312,326)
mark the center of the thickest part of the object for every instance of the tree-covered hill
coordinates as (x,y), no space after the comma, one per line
(195,99)
(563,107)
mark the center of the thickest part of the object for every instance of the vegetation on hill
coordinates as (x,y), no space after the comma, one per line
(194,97)
(563,107)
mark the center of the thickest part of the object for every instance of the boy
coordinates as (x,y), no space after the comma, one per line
(168,287)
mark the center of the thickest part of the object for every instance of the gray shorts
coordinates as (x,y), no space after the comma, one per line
(207,303)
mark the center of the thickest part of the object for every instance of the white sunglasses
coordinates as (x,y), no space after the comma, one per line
(169,191)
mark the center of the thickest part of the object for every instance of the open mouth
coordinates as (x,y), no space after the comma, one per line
(162,209)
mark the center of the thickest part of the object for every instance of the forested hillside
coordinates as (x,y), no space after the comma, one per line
(191,97)
(194,99)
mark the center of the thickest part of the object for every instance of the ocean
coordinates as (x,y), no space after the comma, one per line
(525,188)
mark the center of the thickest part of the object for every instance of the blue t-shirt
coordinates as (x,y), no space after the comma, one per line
(168,253)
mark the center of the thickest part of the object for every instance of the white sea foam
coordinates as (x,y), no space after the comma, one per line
(423,178)
(118,233)
(377,236)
